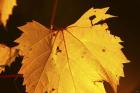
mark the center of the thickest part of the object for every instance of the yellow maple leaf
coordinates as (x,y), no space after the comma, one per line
(6,7)
(7,56)
(77,59)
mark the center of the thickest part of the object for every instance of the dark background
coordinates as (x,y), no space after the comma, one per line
(126,26)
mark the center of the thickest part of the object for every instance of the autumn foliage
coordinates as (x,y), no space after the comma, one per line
(6,7)
(76,59)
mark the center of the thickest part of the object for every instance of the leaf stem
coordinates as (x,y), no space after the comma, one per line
(53,13)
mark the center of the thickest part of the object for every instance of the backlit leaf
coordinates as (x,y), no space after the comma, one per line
(7,56)
(77,59)
(6,7)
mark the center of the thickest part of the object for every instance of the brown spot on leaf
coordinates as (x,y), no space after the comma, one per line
(58,50)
